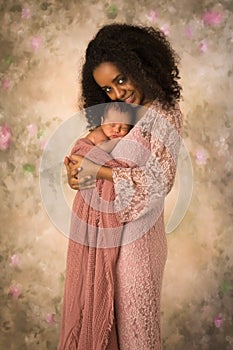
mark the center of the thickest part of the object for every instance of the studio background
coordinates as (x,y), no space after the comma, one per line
(42,44)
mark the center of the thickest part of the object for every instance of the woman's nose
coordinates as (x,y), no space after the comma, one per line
(119,92)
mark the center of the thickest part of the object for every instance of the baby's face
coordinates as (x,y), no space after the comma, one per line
(116,124)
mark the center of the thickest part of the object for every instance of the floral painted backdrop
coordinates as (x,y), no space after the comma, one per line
(41,48)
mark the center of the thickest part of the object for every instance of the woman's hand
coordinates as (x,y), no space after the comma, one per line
(70,167)
(81,172)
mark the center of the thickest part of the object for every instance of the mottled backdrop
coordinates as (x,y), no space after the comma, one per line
(41,49)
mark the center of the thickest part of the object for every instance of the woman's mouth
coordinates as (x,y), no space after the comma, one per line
(130,99)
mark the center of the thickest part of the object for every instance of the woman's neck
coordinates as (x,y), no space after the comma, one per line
(142,110)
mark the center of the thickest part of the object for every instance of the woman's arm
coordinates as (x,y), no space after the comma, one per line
(105,173)
(109,145)
(82,173)
(76,180)
(81,165)
(142,189)
(153,180)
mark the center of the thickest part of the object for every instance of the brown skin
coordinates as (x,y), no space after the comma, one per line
(114,124)
(117,87)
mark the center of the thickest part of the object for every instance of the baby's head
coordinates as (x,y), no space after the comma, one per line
(117,119)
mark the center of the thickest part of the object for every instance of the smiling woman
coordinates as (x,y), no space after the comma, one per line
(116,85)
(117,249)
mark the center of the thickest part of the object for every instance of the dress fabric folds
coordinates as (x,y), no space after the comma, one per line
(117,248)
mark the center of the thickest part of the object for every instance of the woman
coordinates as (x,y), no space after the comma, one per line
(135,65)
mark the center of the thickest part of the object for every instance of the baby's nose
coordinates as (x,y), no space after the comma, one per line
(116,128)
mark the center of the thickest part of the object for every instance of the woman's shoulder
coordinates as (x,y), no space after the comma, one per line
(172,114)
(166,110)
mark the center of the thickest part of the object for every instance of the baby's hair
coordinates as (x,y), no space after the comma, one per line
(120,107)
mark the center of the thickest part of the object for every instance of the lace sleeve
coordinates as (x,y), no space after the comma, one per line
(141,189)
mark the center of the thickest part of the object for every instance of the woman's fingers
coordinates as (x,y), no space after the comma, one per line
(73,172)
(86,182)
(79,177)
(81,183)
(75,168)
(67,164)
(74,184)
(75,158)
(66,161)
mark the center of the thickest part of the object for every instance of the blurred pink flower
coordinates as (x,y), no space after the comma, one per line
(15,291)
(212,17)
(152,16)
(165,29)
(201,157)
(26,13)
(50,318)
(32,130)
(43,143)
(5,137)
(14,260)
(36,42)
(188,30)
(6,84)
(203,47)
(218,320)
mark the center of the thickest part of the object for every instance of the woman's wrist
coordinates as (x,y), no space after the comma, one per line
(104,173)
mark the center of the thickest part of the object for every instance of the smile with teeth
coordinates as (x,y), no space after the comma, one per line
(130,99)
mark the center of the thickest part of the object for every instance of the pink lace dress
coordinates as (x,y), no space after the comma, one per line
(112,294)
(153,146)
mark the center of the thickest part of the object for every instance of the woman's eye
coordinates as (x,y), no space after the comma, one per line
(121,80)
(107,89)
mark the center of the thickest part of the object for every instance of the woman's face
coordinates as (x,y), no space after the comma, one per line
(116,85)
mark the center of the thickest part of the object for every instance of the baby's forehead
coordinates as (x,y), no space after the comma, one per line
(117,116)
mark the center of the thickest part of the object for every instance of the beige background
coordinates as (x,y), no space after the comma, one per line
(42,44)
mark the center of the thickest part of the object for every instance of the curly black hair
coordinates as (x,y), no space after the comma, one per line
(142,54)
